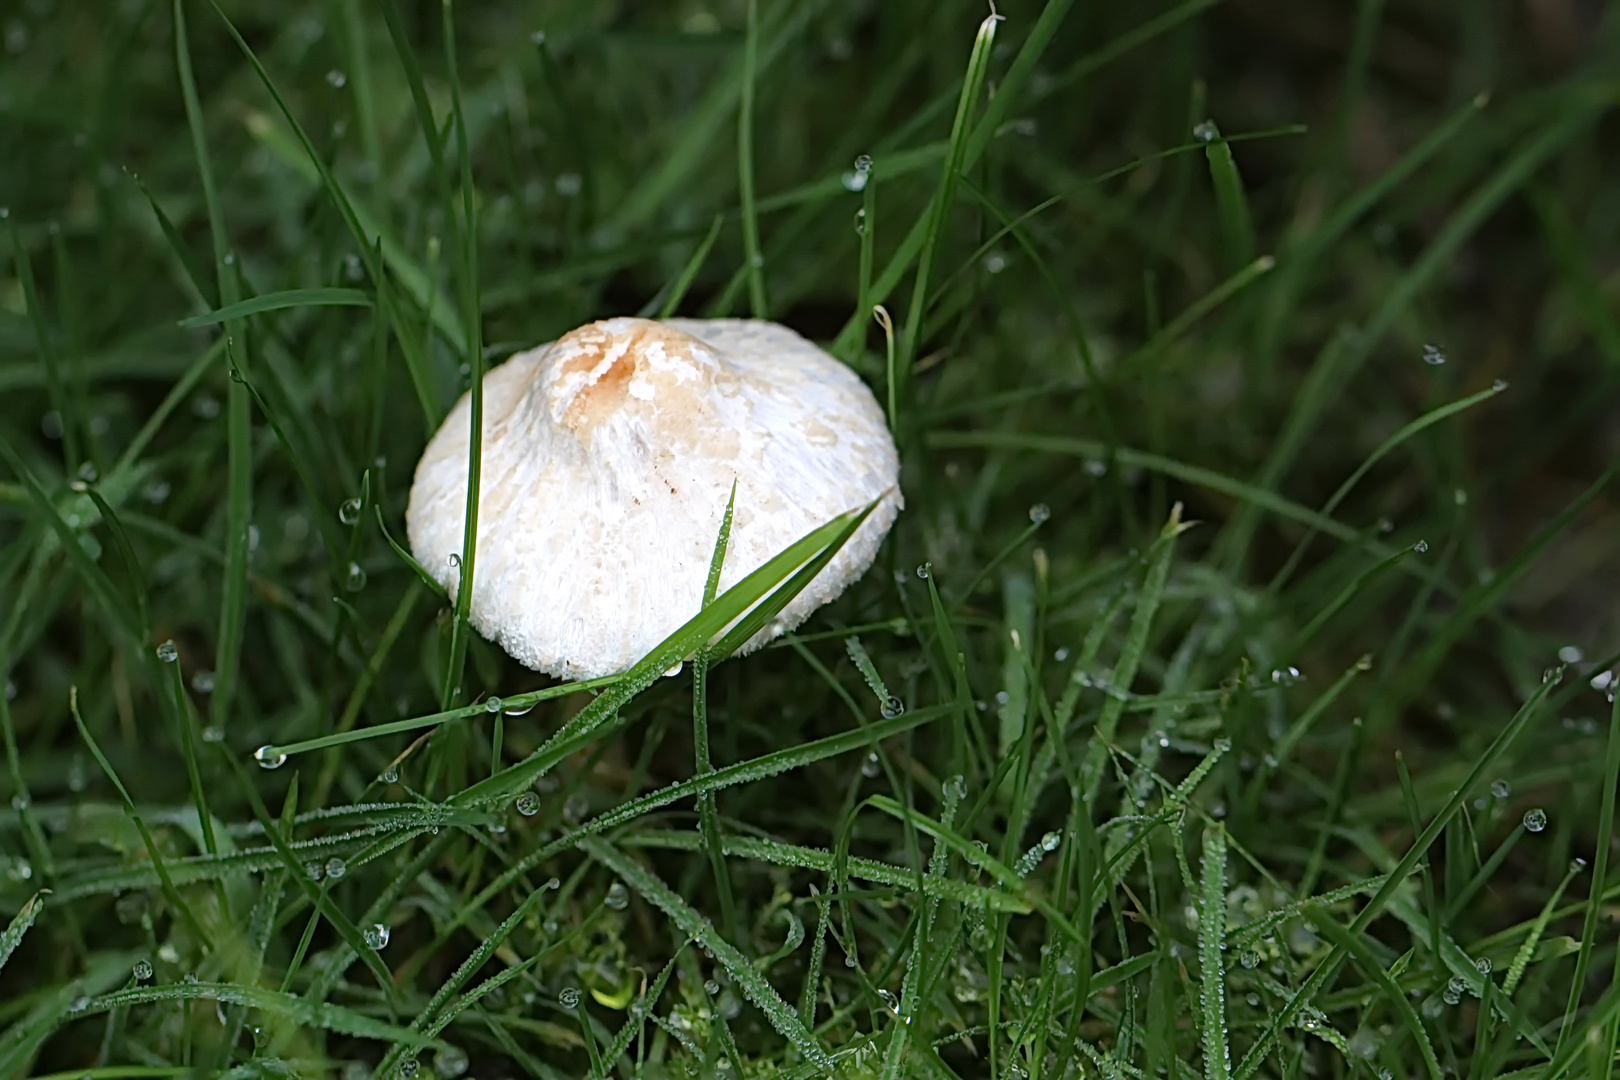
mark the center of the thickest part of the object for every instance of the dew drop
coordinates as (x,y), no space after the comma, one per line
(569,998)
(269,757)
(355,579)
(1535,819)
(1433,355)
(349,511)
(1571,654)
(1285,676)
(618,897)
(143,970)
(528,804)
(168,652)
(1501,788)
(492,705)
(1499,385)
(711,987)
(312,870)
(869,768)
(1040,514)
(892,707)
(336,868)
(1421,547)
(890,1001)
(1483,965)
(409,1068)
(391,774)
(1205,131)
(925,570)
(336,79)
(450,1063)
(376,936)
(520,709)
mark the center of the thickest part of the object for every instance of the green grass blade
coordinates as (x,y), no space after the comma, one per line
(689,272)
(20,923)
(745,162)
(280,301)
(1211,959)
(1231,205)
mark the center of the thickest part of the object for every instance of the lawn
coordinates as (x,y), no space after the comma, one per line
(1232,698)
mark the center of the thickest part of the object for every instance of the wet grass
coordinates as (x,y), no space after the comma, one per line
(1228,700)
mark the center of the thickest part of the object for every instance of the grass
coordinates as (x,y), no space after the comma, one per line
(1227,701)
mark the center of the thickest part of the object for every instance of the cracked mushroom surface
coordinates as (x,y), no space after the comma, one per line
(608,459)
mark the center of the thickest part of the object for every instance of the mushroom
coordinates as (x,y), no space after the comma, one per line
(609,457)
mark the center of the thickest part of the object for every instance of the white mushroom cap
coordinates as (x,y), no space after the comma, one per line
(609,456)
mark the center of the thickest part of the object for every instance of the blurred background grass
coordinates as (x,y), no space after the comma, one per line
(1416,205)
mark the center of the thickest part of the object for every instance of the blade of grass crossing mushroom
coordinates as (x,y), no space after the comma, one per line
(708,816)
(753,985)
(745,161)
(818,546)
(19,925)
(945,194)
(1600,869)
(1212,957)
(467,264)
(1329,965)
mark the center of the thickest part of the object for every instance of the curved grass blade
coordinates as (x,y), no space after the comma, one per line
(818,546)
(279,301)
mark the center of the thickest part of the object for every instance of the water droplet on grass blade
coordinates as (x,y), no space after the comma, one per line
(1433,355)
(376,936)
(1421,547)
(892,707)
(336,79)
(1040,514)
(925,570)
(355,579)
(569,998)
(269,757)
(528,804)
(1535,819)
(143,970)
(1501,788)
(168,652)
(870,768)
(618,897)
(336,868)
(492,705)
